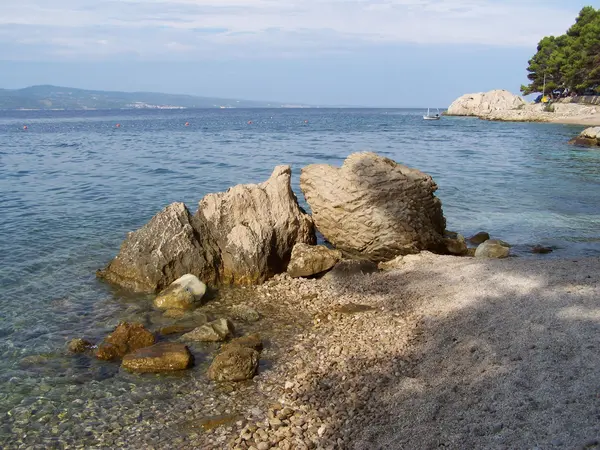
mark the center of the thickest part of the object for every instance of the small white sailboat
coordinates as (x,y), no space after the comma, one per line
(432,116)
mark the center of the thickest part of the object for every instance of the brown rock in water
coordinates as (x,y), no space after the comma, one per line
(234,364)
(374,207)
(126,338)
(167,247)
(79,345)
(252,341)
(163,357)
(479,238)
(255,227)
(310,260)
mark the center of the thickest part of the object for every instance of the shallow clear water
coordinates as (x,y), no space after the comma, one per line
(73,184)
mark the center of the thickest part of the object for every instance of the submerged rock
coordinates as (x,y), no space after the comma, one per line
(255,227)
(234,364)
(373,207)
(215,331)
(163,357)
(184,293)
(245,313)
(308,260)
(164,249)
(126,338)
(493,248)
(541,249)
(484,103)
(479,238)
(78,345)
(590,137)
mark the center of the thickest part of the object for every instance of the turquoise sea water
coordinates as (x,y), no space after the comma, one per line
(73,184)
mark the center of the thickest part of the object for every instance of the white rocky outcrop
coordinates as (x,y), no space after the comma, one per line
(484,103)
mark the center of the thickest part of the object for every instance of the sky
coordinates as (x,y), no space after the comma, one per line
(389,53)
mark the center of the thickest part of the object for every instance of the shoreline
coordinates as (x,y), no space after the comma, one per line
(468,352)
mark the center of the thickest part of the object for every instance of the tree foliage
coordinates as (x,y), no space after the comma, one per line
(570,61)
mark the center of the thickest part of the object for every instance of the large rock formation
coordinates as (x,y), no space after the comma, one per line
(244,235)
(374,207)
(482,104)
(589,137)
(255,227)
(164,249)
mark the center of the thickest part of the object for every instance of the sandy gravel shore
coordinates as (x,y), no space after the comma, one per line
(456,353)
(434,352)
(592,121)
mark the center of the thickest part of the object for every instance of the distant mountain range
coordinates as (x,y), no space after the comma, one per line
(54,97)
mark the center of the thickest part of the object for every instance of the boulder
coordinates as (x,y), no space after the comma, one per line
(455,244)
(167,247)
(310,260)
(163,357)
(215,331)
(126,338)
(482,104)
(252,341)
(78,345)
(479,238)
(493,248)
(373,207)
(589,137)
(234,364)
(255,227)
(244,313)
(184,293)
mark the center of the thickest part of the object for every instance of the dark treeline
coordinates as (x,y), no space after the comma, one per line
(569,62)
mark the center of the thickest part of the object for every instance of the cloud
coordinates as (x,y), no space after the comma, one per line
(152,29)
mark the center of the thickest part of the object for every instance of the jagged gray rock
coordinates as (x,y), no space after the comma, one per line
(255,227)
(374,207)
(164,249)
(243,236)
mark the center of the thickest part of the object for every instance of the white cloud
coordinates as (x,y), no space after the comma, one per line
(155,28)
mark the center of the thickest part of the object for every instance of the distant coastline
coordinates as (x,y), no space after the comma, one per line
(56,98)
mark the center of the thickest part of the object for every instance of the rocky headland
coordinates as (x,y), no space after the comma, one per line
(395,334)
(501,105)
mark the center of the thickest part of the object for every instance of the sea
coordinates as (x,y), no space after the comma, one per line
(73,183)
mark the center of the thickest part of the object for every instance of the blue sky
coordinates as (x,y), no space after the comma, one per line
(353,52)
